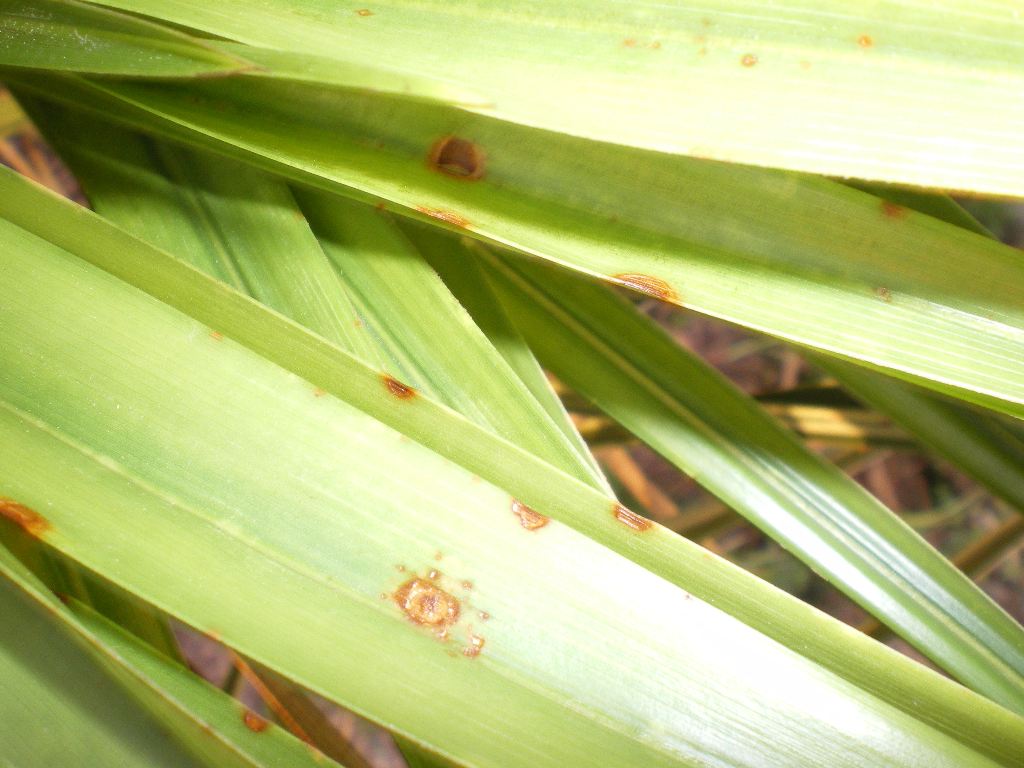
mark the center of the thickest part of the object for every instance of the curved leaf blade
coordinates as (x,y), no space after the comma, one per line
(854,91)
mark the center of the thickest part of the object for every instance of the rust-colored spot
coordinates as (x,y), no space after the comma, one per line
(467,584)
(484,615)
(216,335)
(25,518)
(457,157)
(631,519)
(317,392)
(448,217)
(428,605)
(529,518)
(397,388)
(893,210)
(476,645)
(364,12)
(865,41)
(748,60)
(634,43)
(652,286)
(884,294)
(254,722)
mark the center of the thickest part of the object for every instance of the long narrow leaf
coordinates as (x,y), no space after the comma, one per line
(875,282)
(860,90)
(79,37)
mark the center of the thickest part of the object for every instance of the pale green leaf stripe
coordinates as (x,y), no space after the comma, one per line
(875,283)
(694,417)
(244,227)
(874,668)
(296,543)
(442,345)
(900,91)
(205,722)
(79,37)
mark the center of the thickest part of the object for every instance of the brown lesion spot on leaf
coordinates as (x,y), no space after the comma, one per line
(24,517)
(397,388)
(474,647)
(893,210)
(461,158)
(317,392)
(631,519)
(254,722)
(449,217)
(427,605)
(216,335)
(884,294)
(748,59)
(652,286)
(865,41)
(364,12)
(529,518)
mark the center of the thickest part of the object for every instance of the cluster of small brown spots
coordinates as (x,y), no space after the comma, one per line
(893,210)
(652,286)
(631,42)
(884,294)
(397,388)
(467,584)
(216,335)
(27,519)
(865,41)
(448,217)
(426,604)
(457,157)
(529,518)
(748,59)
(631,519)
(364,12)
(476,644)
(254,722)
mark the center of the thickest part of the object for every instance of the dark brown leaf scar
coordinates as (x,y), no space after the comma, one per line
(457,157)
(397,388)
(529,518)
(254,722)
(449,217)
(25,518)
(631,519)
(652,286)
